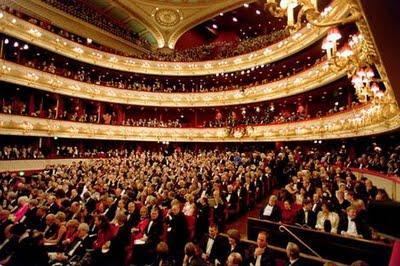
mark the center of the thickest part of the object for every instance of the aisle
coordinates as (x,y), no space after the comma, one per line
(241,223)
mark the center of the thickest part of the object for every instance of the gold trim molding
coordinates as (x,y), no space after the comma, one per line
(367,120)
(317,76)
(28,32)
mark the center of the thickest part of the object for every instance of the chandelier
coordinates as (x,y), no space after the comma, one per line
(308,10)
(357,58)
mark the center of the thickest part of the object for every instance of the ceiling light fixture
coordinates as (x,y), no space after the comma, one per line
(309,11)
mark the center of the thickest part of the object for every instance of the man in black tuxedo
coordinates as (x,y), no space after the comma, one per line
(40,225)
(271,211)
(353,226)
(308,188)
(241,192)
(203,215)
(262,255)
(293,254)
(10,242)
(214,246)
(305,216)
(177,232)
(51,226)
(132,215)
(231,200)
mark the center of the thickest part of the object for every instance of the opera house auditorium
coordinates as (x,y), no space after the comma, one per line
(199,132)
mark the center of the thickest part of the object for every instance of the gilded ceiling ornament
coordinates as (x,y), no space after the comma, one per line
(167,17)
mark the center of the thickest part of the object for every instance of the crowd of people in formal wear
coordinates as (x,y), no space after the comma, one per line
(219,50)
(85,12)
(144,207)
(11,152)
(325,195)
(263,114)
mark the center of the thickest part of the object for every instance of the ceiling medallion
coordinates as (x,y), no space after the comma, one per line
(167,17)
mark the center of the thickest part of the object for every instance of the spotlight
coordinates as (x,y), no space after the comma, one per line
(16,44)
(6,41)
(215,26)
(26,47)
(234,19)
(258,12)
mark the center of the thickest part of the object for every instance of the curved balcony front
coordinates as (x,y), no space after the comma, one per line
(31,33)
(307,80)
(367,120)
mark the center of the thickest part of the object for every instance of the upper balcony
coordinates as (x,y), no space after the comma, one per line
(26,31)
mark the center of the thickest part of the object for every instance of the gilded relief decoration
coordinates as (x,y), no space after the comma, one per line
(314,77)
(167,17)
(366,120)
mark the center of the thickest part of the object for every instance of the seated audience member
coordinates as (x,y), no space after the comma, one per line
(327,220)
(305,216)
(214,246)
(120,240)
(132,215)
(30,251)
(353,226)
(370,189)
(162,256)
(340,202)
(271,211)
(235,245)
(138,231)
(262,255)
(234,259)
(105,231)
(152,233)
(316,203)
(288,213)
(10,243)
(191,257)
(51,226)
(76,249)
(293,254)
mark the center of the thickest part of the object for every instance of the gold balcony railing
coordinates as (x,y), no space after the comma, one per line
(367,120)
(315,77)
(31,33)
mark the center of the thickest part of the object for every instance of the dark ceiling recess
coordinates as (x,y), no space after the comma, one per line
(383,20)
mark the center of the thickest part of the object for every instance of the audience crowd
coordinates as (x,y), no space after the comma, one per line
(11,152)
(62,32)
(220,50)
(167,207)
(84,11)
(264,114)
(211,51)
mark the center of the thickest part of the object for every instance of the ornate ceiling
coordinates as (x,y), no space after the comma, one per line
(164,21)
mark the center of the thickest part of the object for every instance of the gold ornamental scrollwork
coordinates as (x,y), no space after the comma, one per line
(167,17)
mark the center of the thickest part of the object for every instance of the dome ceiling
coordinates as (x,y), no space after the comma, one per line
(162,22)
